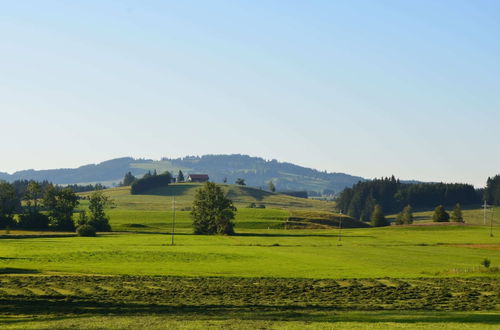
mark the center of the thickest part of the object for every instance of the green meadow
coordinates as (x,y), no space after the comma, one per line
(269,275)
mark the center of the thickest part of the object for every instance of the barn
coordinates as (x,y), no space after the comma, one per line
(197,178)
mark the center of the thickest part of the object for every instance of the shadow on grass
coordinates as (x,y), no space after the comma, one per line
(59,309)
(332,235)
(8,270)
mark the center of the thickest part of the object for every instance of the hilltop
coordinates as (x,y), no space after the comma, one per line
(256,171)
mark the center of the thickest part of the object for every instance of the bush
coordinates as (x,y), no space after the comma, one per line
(486,263)
(440,214)
(86,231)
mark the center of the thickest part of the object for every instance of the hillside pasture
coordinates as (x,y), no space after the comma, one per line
(161,199)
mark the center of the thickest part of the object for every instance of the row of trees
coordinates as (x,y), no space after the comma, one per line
(43,206)
(392,195)
(405,217)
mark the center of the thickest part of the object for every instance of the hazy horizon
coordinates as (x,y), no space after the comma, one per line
(365,88)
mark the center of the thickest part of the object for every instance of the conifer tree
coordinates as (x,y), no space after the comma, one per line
(128,179)
(378,219)
(180,176)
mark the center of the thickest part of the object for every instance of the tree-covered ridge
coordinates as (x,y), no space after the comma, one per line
(392,195)
(256,171)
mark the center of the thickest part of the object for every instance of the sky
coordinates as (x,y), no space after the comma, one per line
(369,88)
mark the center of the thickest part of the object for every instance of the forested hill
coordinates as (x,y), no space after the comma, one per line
(255,171)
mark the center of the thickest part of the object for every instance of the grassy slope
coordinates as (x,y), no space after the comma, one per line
(161,199)
(153,211)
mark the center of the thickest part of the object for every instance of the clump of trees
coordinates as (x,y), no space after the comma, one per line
(440,214)
(212,212)
(150,181)
(378,218)
(46,206)
(392,195)
(60,205)
(271,186)
(405,217)
(492,190)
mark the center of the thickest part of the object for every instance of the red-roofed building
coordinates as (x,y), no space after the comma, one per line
(197,178)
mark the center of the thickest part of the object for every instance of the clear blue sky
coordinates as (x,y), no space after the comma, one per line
(371,88)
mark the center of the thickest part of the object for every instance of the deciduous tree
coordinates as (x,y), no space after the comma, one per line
(212,211)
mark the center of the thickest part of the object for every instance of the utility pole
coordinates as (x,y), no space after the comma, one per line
(173,220)
(485,206)
(491,222)
(339,243)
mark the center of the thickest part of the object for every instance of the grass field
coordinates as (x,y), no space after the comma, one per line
(266,276)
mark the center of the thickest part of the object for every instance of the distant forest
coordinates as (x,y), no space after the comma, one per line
(392,195)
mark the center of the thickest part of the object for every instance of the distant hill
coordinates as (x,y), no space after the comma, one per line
(256,171)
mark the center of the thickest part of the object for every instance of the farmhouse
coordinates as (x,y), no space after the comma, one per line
(197,178)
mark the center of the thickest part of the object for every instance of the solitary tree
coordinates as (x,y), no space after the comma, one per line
(378,219)
(440,214)
(212,211)
(180,176)
(271,186)
(456,214)
(98,218)
(240,182)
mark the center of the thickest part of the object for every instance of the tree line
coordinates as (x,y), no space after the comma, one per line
(492,190)
(392,195)
(44,206)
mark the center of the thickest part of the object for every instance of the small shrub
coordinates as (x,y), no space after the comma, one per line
(86,231)
(252,205)
(486,263)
